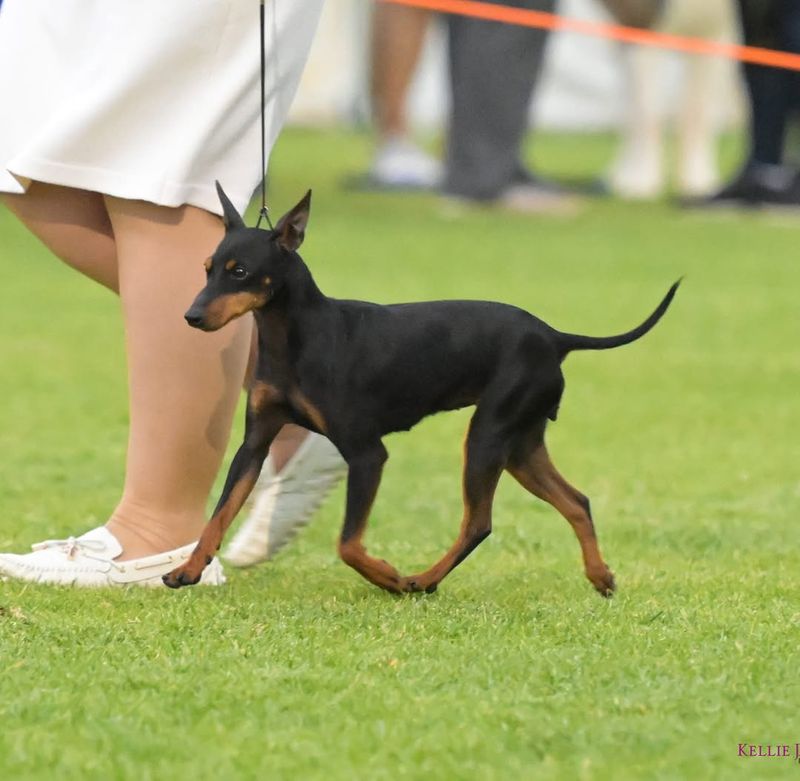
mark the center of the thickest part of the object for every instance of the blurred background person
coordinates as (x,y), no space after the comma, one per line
(479,98)
(388,65)
(397,37)
(494,70)
(774,94)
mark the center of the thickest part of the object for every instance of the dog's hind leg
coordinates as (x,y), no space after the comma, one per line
(534,470)
(363,479)
(484,459)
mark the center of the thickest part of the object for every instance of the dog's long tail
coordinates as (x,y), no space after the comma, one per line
(569,342)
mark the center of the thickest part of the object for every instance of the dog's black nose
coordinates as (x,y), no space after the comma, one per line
(194,319)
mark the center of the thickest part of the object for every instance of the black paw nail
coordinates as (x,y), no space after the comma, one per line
(169,582)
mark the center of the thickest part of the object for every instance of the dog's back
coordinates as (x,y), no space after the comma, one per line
(396,364)
(388,366)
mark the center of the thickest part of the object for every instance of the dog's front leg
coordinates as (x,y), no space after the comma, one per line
(260,429)
(363,479)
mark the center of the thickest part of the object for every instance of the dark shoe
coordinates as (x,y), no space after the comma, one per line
(527,193)
(757,185)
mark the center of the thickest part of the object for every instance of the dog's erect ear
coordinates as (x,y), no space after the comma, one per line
(230,217)
(291,228)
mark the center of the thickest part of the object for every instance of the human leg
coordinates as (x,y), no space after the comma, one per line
(493,71)
(178,431)
(772,94)
(398,33)
(767,88)
(397,37)
(183,384)
(73,224)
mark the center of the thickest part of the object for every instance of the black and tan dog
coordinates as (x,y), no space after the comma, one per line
(356,371)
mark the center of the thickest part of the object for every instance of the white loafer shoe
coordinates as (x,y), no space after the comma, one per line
(89,560)
(285,502)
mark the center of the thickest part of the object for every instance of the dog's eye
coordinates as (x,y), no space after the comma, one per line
(238,272)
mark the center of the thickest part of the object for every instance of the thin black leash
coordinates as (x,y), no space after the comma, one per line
(263,212)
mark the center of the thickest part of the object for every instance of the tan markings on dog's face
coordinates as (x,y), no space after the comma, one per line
(225,308)
(230,264)
(267,281)
(207,265)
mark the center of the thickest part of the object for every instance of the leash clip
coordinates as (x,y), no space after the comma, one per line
(263,213)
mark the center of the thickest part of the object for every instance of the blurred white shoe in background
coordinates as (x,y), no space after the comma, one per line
(401,164)
(285,502)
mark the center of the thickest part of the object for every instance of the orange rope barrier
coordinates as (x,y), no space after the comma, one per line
(547,21)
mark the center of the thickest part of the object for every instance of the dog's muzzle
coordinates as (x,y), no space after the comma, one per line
(194,319)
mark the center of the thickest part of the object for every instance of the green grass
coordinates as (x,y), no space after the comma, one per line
(687,444)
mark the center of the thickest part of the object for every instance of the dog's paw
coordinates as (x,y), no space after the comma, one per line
(409,586)
(415,585)
(603,581)
(182,576)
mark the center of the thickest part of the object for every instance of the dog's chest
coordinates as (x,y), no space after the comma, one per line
(306,410)
(267,393)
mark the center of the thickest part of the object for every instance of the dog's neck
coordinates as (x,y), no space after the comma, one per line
(291,314)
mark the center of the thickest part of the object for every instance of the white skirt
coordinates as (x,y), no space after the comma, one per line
(145,99)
